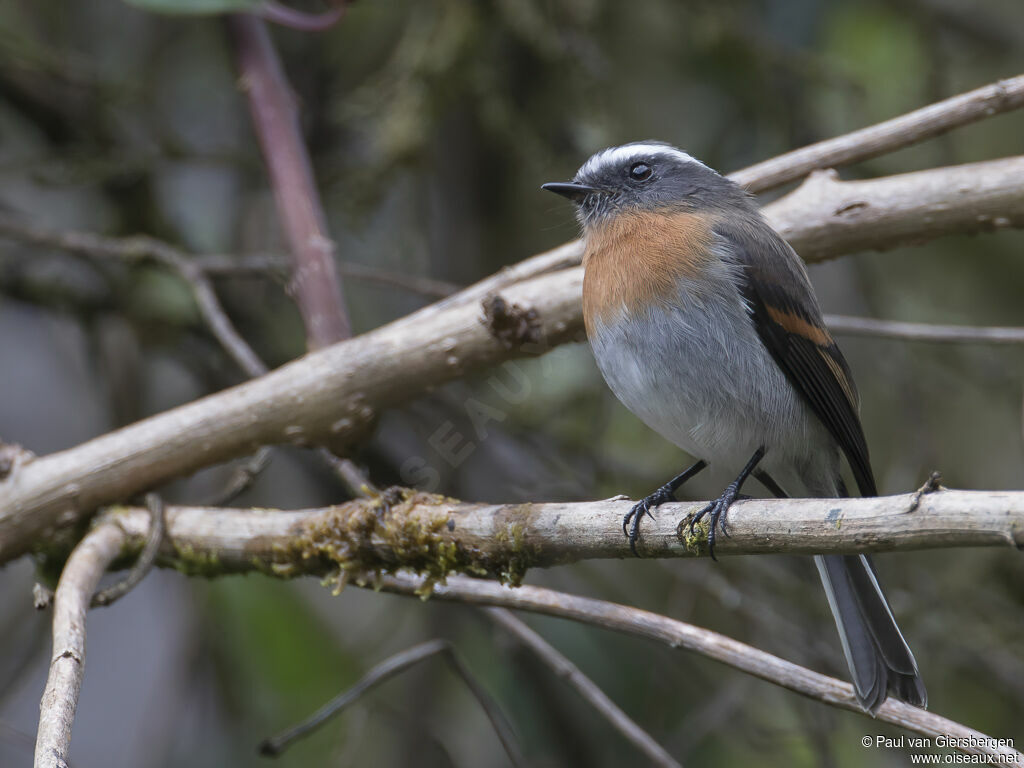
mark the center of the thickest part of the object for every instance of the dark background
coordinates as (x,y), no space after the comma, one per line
(431,126)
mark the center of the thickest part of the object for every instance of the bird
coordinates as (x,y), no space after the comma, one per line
(704,323)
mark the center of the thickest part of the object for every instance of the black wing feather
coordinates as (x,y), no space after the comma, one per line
(817,370)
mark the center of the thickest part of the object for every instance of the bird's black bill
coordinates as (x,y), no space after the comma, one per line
(570,189)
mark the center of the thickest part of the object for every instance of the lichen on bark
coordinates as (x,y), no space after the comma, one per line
(403,529)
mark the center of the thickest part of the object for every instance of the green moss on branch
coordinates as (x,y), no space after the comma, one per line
(408,530)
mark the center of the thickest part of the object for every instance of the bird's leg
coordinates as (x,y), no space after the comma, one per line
(656,499)
(720,506)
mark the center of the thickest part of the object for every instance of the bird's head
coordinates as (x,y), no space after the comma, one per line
(645,177)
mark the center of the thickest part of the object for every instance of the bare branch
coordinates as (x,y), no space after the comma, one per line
(586,687)
(351,476)
(269,264)
(315,283)
(77,584)
(879,139)
(437,535)
(241,478)
(387,669)
(335,392)
(146,559)
(242,264)
(677,634)
(952,334)
(425,286)
(555,260)
(824,217)
(217,320)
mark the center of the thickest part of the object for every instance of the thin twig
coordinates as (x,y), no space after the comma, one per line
(931,485)
(270,264)
(356,482)
(584,686)
(425,286)
(557,259)
(387,669)
(217,320)
(315,283)
(144,562)
(677,634)
(242,477)
(243,264)
(293,18)
(879,139)
(140,248)
(75,589)
(950,334)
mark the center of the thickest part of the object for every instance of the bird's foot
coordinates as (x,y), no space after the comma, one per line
(631,522)
(717,510)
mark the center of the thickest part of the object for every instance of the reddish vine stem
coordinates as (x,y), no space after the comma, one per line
(315,284)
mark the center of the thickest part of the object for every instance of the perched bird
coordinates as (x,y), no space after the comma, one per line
(704,324)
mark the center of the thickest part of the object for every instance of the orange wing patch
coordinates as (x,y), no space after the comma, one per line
(637,259)
(797,325)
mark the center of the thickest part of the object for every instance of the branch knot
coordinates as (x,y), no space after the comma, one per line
(512,325)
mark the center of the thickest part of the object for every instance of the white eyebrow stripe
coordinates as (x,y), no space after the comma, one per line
(619,155)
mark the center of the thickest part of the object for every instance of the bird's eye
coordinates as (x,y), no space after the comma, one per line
(640,172)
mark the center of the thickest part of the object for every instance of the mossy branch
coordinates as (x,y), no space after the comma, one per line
(436,536)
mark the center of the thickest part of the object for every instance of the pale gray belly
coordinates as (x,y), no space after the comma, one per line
(700,376)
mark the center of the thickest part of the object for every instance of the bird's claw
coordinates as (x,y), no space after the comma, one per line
(717,510)
(631,520)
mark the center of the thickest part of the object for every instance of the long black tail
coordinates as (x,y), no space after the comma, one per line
(880,659)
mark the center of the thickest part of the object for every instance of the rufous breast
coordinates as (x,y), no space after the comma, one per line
(638,258)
